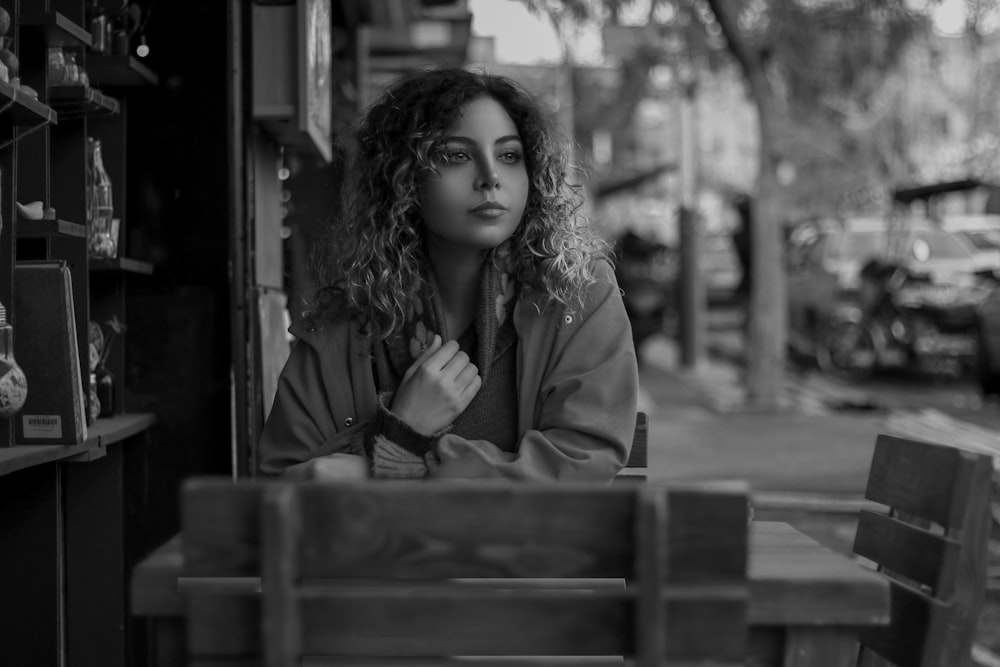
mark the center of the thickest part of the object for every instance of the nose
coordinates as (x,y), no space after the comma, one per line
(486,176)
(488,181)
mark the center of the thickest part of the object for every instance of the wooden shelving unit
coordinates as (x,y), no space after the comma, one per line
(32,229)
(57,28)
(81,100)
(112,71)
(24,109)
(70,514)
(103,433)
(121,265)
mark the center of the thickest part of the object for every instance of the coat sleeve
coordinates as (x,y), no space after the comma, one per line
(301,425)
(586,408)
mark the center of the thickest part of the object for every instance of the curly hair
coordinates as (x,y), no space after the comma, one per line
(371,260)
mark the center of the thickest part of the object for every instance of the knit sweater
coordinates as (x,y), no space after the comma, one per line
(397,451)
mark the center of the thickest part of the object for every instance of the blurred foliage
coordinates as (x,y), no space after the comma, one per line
(824,64)
(826,80)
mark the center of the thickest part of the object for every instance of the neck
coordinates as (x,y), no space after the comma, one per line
(458,275)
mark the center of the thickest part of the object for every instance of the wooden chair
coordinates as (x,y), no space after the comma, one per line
(636,466)
(402,573)
(932,544)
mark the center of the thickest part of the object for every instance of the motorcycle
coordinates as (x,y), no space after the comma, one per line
(647,273)
(902,319)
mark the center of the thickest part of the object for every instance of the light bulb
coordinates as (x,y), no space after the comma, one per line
(143,49)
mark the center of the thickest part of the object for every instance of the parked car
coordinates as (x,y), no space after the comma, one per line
(982,235)
(647,271)
(988,344)
(825,261)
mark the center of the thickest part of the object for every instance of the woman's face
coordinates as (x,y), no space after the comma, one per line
(479,198)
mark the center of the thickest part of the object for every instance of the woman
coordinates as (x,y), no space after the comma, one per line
(470,325)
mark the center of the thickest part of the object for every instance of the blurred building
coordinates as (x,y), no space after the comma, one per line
(949,108)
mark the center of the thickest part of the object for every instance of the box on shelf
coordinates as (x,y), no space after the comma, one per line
(45,345)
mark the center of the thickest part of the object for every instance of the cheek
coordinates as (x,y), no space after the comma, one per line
(521,187)
(443,194)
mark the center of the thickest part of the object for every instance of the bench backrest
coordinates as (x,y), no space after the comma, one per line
(640,442)
(389,570)
(933,546)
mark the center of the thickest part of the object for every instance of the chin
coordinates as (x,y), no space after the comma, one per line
(485,239)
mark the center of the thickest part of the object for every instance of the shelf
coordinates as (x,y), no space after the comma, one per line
(110,430)
(24,109)
(100,434)
(119,71)
(33,229)
(58,30)
(121,265)
(82,100)
(19,457)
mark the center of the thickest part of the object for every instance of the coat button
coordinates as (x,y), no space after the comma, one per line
(568,319)
(349,422)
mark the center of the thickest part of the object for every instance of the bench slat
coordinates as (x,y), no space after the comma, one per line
(914,477)
(907,550)
(413,531)
(368,569)
(353,622)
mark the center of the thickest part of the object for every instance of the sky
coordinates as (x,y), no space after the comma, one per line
(524,38)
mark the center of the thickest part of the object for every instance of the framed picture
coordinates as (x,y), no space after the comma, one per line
(316,74)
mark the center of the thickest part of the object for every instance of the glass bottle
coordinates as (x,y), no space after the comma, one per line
(98,28)
(13,385)
(105,391)
(101,207)
(71,73)
(93,400)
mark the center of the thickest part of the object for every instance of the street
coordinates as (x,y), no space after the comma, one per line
(899,390)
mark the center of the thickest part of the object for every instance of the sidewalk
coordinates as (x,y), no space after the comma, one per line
(806,465)
(808,451)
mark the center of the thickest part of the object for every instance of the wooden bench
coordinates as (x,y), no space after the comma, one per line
(402,573)
(932,545)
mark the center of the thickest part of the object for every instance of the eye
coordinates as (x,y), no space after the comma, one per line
(455,155)
(511,157)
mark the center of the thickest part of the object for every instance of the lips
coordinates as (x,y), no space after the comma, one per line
(488,207)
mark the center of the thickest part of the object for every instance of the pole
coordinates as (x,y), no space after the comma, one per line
(692,301)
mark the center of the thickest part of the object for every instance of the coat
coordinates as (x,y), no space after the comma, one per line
(577,388)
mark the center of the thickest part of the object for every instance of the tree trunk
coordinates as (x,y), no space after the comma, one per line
(768,331)
(766,348)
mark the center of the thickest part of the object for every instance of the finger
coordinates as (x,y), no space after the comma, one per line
(466,375)
(433,347)
(437,360)
(435,344)
(471,389)
(455,365)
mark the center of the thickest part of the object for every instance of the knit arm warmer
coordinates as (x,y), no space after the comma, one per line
(396,450)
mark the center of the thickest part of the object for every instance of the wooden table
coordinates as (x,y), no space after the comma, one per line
(806,602)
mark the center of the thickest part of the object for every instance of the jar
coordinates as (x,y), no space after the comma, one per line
(13,385)
(56,66)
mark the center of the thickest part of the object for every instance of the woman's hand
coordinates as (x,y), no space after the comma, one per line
(436,388)
(340,467)
(337,466)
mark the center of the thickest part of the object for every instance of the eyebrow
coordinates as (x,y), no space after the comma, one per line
(467,140)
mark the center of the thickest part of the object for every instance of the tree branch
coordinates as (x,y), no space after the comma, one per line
(751,62)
